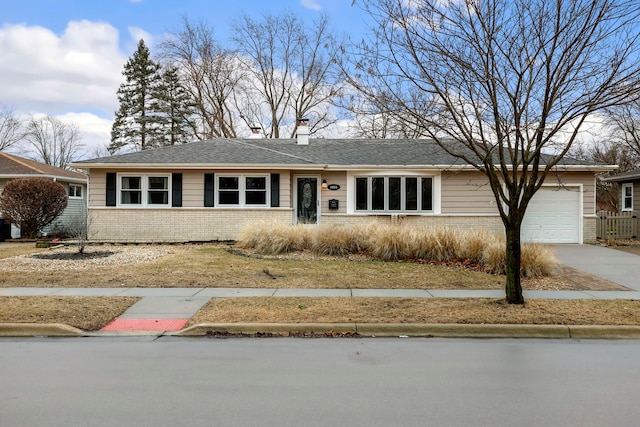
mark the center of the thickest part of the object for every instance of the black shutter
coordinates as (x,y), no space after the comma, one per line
(275,190)
(111,188)
(209,180)
(176,190)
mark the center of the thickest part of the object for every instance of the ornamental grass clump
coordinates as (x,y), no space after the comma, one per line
(388,242)
(338,240)
(537,260)
(436,243)
(494,257)
(273,238)
(471,244)
(391,243)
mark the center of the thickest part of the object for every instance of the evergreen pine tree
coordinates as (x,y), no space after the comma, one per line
(136,124)
(174,108)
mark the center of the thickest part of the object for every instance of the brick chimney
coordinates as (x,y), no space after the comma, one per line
(302,133)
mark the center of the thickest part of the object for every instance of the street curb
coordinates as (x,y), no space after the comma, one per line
(463,330)
(418,330)
(39,330)
(604,332)
(267,328)
(348,329)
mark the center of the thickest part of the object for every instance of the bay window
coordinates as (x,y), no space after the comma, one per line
(394,194)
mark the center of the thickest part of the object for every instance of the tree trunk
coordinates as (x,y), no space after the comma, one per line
(28,230)
(513,287)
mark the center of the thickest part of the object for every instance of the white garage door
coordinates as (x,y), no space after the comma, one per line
(553,216)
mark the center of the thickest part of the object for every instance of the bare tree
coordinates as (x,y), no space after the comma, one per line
(624,122)
(504,85)
(210,74)
(55,142)
(11,131)
(292,72)
(611,152)
(369,120)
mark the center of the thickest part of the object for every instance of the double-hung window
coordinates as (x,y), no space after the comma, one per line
(394,194)
(627,197)
(242,190)
(75,191)
(144,190)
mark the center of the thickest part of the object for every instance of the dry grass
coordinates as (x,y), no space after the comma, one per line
(214,266)
(398,242)
(416,310)
(217,266)
(272,238)
(87,313)
(11,249)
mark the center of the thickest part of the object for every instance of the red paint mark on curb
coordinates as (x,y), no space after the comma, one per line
(146,325)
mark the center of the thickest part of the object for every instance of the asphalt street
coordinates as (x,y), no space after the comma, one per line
(170,381)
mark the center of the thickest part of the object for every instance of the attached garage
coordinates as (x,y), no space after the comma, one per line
(554,215)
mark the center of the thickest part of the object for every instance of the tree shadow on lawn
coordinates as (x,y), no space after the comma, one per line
(73,256)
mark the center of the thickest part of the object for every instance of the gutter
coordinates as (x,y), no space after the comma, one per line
(317,167)
(196,166)
(54,177)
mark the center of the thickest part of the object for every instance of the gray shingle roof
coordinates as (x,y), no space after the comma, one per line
(625,176)
(285,152)
(14,166)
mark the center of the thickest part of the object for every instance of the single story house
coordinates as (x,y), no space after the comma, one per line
(12,167)
(629,189)
(210,190)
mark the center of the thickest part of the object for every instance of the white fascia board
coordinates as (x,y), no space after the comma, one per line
(54,177)
(398,167)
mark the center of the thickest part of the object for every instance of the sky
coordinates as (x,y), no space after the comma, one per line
(65,58)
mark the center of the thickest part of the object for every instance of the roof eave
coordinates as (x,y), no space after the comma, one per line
(54,177)
(196,166)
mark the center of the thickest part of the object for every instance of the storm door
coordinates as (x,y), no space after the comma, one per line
(306,200)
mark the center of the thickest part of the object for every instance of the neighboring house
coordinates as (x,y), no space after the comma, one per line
(12,167)
(210,190)
(629,189)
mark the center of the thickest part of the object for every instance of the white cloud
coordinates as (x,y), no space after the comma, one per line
(75,71)
(311,4)
(95,133)
(136,34)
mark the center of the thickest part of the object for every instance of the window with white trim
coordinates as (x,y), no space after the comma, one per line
(150,190)
(75,191)
(627,197)
(242,190)
(394,194)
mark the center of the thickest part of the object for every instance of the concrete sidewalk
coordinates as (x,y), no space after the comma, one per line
(163,311)
(171,308)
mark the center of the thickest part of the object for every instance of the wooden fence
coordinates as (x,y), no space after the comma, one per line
(623,225)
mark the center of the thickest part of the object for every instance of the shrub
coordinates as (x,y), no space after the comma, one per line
(32,203)
(494,257)
(537,260)
(336,240)
(472,243)
(398,242)
(391,243)
(274,238)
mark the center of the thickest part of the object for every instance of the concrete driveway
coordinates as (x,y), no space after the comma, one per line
(617,266)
